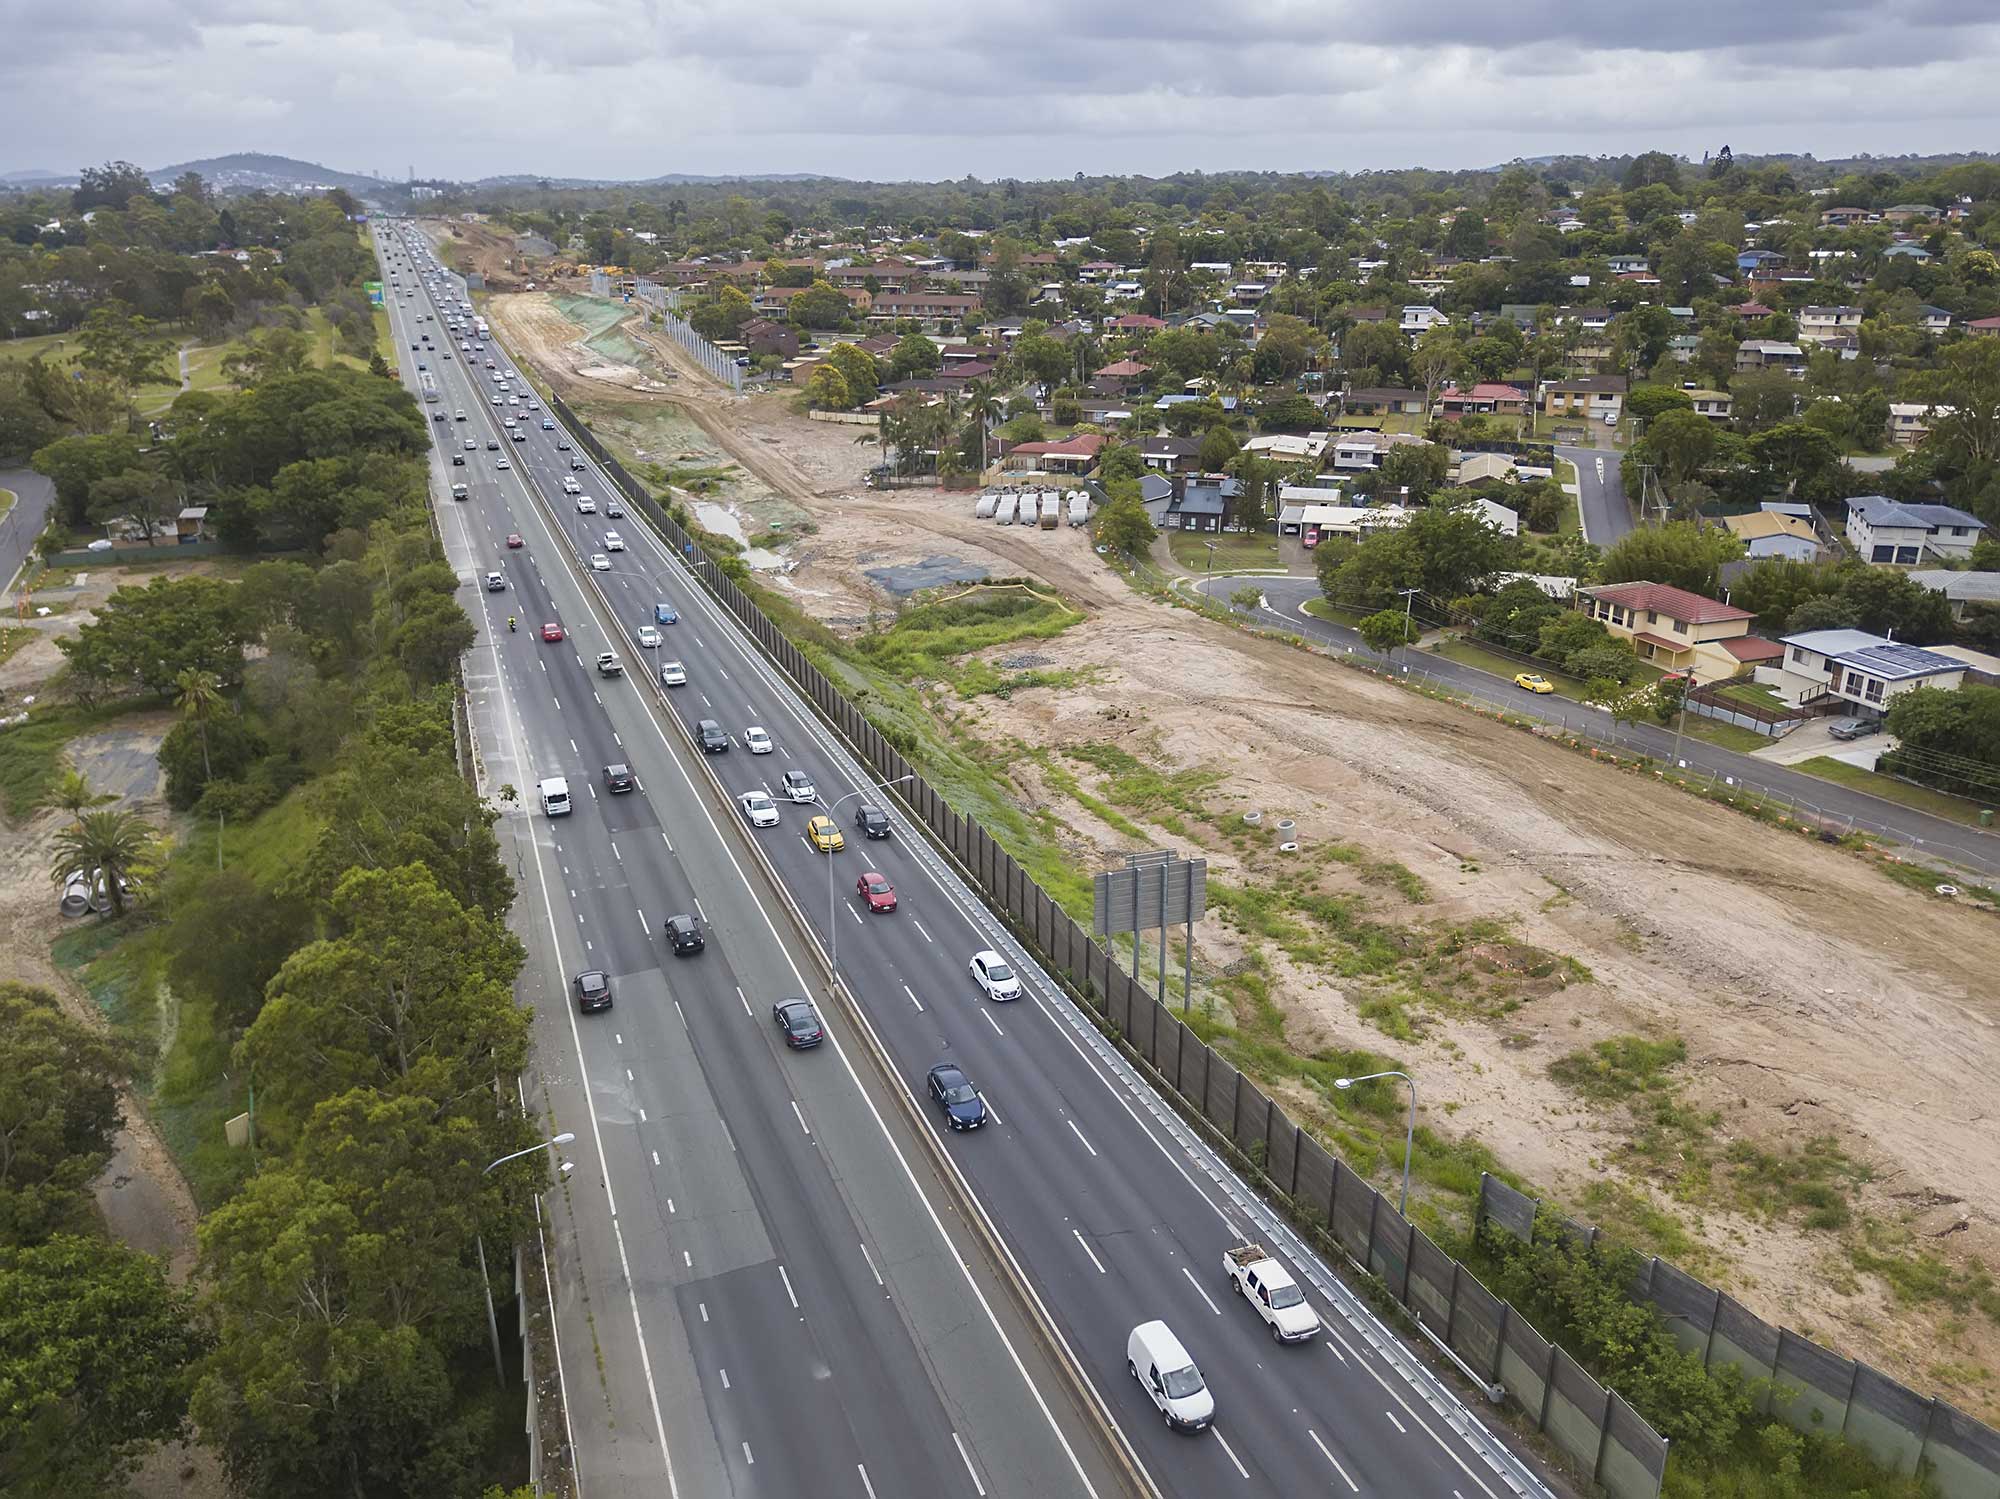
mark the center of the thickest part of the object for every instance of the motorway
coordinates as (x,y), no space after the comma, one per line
(1601,504)
(1110,1208)
(756,1292)
(1976,850)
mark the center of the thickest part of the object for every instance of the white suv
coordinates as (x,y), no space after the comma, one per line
(613,542)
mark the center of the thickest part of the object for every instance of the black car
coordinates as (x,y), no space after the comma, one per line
(953,1092)
(713,740)
(799,1021)
(458,460)
(684,932)
(593,990)
(613,510)
(618,778)
(873,821)
(492,444)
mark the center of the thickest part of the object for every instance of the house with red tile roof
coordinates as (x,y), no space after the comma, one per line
(1671,627)
(1076,455)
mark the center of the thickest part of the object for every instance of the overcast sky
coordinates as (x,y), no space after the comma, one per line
(1029,88)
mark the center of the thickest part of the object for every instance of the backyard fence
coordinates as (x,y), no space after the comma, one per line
(1713,701)
(1808,1387)
(1593,1426)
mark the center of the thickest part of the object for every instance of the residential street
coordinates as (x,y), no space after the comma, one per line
(1976,850)
(1607,514)
(21,525)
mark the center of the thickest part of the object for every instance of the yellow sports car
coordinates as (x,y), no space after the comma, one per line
(1534,682)
(824,834)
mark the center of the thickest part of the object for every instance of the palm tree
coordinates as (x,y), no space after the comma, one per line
(200,700)
(983,399)
(113,843)
(72,792)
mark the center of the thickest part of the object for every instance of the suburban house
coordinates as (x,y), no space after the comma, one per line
(1713,404)
(1283,447)
(1596,396)
(1883,530)
(1843,218)
(1853,667)
(1479,468)
(1908,250)
(762,336)
(1750,312)
(1136,322)
(1817,324)
(775,302)
(1421,319)
(1204,504)
(1755,262)
(1168,454)
(1910,421)
(1073,455)
(1964,591)
(1120,377)
(1485,398)
(1302,510)
(1672,628)
(1382,400)
(1766,533)
(1985,327)
(1770,354)
(932,307)
(1359,450)
(1623,265)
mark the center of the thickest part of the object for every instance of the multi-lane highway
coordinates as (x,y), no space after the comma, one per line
(757,1290)
(1107,1206)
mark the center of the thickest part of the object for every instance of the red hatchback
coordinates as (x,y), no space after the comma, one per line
(514,540)
(876,891)
(551,631)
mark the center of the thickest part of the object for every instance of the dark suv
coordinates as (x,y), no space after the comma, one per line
(713,740)
(684,932)
(873,821)
(593,990)
(618,778)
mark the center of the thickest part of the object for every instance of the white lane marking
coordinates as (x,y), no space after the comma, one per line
(698,910)
(966,1458)
(913,998)
(747,1457)
(800,1117)
(1085,1247)
(687,1259)
(1199,1291)
(998,1032)
(989,1107)
(920,927)
(642,1116)
(790,1294)
(1230,1450)
(656,1161)
(745,1002)
(619,1037)
(642,919)
(1351,1484)
(1079,1135)
(1395,1423)
(628,1074)
(867,1487)
(855,914)
(704,1309)
(871,1265)
(615,854)
(725,1376)
(1336,1352)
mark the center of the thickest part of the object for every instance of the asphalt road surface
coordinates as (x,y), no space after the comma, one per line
(1105,1202)
(34,494)
(1969,846)
(1601,502)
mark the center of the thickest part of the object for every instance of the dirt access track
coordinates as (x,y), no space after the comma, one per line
(1818,1000)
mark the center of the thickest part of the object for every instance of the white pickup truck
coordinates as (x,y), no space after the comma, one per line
(608,664)
(1269,1287)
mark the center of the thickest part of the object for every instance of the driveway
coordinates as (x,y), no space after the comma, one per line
(1812,738)
(1606,513)
(1976,850)
(36,494)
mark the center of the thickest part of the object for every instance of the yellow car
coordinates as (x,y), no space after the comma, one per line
(1534,682)
(824,834)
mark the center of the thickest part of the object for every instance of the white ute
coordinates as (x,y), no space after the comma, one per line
(1269,1287)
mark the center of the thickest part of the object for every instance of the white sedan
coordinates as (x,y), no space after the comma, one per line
(649,637)
(502,463)
(991,973)
(673,674)
(599,562)
(757,741)
(759,808)
(613,542)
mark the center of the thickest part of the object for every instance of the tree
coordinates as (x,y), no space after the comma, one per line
(857,367)
(1218,450)
(1386,629)
(1123,523)
(1796,453)
(1680,554)
(59,1112)
(915,357)
(1762,398)
(1467,238)
(146,637)
(1041,358)
(1292,413)
(1963,395)
(1373,354)
(1416,468)
(1437,355)
(1647,402)
(724,317)
(199,700)
(121,346)
(76,464)
(820,305)
(137,494)
(115,845)
(1964,723)
(826,389)
(73,792)
(1651,168)
(96,1351)
(1679,443)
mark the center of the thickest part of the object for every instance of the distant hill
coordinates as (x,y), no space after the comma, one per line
(672,179)
(35,177)
(253,171)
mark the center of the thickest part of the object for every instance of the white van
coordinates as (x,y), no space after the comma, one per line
(555,803)
(1155,1358)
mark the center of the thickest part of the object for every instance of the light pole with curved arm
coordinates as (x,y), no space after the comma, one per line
(1409,1135)
(832,931)
(485,1284)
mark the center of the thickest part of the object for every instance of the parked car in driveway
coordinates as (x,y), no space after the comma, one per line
(1853,728)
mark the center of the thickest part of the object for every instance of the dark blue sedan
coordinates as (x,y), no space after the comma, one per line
(953,1092)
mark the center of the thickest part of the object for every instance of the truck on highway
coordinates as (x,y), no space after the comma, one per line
(1269,1287)
(1051,510)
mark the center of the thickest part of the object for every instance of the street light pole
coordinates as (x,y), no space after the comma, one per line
(1409,1134)
(485,1284)
(832,931)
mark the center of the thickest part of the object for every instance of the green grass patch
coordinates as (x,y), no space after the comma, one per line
(1619,1068)
(1812,1180)
(1164,798)
(13,638)
(1467,653)
(1725,735)
(925,643)
(1334,614)
(31,754)
(1379,871)
(1751,695)
(1925,880)
(1917,1275)
(1923,798)
(1232,550)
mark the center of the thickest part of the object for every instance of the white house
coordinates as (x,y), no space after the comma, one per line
(1855,667)
(1289,448)
(1883,530)
(1818,324)
(1421,319)
(1359,450)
